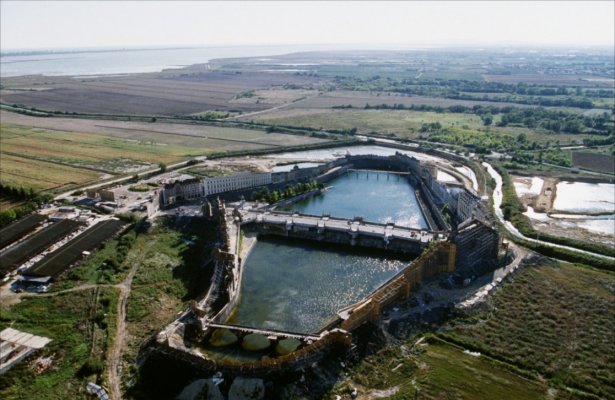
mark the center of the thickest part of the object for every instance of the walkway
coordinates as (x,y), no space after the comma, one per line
(339,224)
(264,332)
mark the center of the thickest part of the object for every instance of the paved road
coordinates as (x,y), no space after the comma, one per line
(126,179)
(497,202)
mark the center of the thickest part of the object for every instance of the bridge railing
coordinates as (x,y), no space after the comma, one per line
(325,218)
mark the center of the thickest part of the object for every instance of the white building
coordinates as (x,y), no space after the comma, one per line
(242,180)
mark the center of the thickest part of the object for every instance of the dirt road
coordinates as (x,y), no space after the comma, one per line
(115,355)
(113,363)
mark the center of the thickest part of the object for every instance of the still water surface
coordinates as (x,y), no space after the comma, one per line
(376,196)
(299,287)
(124,61)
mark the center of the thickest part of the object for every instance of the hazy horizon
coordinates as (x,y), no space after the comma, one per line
(57,26)
(325,47)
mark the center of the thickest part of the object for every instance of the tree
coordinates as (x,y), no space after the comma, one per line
(487,119)
(163,167)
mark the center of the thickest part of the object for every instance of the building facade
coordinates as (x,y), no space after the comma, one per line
(189,189)
(242,180)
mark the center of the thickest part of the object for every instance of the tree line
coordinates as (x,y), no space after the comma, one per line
(274,196)
(530,117)
(31,199)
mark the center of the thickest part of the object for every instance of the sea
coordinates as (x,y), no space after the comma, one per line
(88,62)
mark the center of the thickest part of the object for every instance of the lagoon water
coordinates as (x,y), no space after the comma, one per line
(125,61)
(337,152)
(376,196)
(579,197)
(299,287)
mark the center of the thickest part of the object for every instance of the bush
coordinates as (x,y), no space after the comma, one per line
(92,366)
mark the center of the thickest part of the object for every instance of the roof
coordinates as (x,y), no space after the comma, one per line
(23,338)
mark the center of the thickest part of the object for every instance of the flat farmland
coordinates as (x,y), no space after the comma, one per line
(403,123)
(358,99)
(41,175)
(149,94)
(46,153)
(191,139)
(544,79)
(594,161)
(400,122)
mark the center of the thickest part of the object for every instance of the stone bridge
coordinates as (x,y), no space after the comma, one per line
(265,332)
(340,231)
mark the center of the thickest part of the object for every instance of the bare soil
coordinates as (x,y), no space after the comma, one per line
(158,94)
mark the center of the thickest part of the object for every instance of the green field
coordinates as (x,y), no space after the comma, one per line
(404,123)
(81,326)
(42,175)
(555,320)
(46,158)
(436,370)
(546,334)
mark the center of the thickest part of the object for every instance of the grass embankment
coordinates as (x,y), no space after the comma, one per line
(169,258)
(81,326)
(555,320)
(436,370)
(513,210)
(545,334)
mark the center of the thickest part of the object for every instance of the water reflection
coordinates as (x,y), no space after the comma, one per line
(376,196)
(299,287)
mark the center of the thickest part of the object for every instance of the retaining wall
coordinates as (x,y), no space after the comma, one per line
(437,259)
(295,361)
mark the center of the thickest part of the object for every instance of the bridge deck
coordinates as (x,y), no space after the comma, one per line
(264,332)
(340,224)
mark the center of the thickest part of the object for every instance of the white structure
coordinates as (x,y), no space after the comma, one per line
(192,189)
(242,180)
(16,345)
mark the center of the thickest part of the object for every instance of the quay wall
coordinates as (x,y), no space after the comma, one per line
(440,258)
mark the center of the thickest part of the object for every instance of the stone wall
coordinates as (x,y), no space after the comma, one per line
(439,258)
(297,360)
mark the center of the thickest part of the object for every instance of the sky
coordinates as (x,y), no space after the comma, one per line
(124,24)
